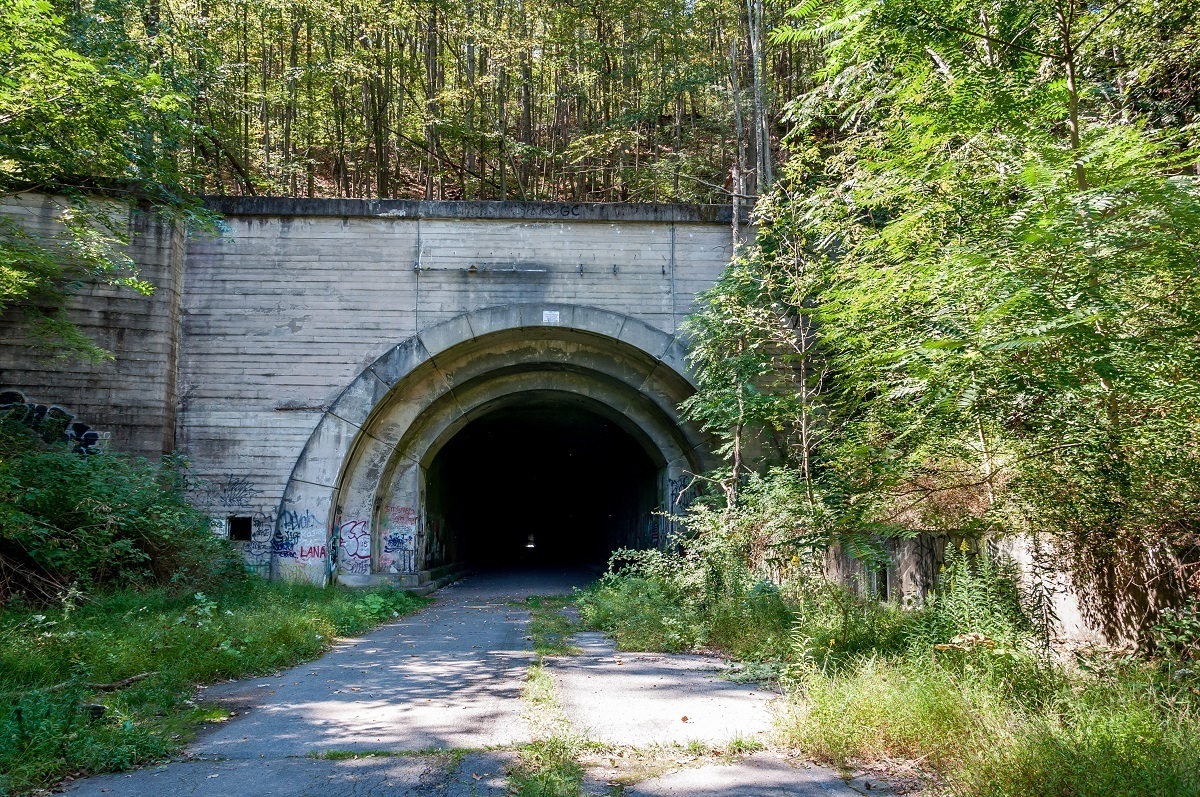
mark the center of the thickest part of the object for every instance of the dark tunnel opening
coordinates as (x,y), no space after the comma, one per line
(542,484)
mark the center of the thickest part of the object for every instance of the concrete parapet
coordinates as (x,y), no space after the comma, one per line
(420,209)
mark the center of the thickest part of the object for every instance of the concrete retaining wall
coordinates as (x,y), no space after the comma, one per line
(131,401)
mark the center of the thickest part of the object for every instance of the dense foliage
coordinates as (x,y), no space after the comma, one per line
(972,306)
(69,521)
(606,100)
(86,105)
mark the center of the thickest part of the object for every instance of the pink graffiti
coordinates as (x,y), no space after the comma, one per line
(312,551)
(401,515)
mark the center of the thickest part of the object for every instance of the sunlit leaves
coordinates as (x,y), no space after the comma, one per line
(87,101)
(1010,347)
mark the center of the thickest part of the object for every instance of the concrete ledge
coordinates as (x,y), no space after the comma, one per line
(421,583)
(414,209)
(449,578)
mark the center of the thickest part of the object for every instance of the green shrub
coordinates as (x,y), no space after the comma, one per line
(1176,635)
(654,600)
(640,614)
(834,624)
(975,594)
(751,624)
(102,520)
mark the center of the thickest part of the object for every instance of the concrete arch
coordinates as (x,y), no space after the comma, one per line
(356,490)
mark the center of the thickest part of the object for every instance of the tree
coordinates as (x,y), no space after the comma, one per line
(1002,219)
(85,111)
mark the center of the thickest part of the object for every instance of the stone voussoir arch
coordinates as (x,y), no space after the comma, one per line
(308,515)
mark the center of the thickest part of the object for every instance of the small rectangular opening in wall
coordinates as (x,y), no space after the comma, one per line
(239,529)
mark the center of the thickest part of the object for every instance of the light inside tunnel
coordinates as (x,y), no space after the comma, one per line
(542,483)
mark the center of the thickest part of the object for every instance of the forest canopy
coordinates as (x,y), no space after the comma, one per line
(605,100)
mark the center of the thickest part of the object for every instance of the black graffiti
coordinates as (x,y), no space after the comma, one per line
(51,422)
(235,491)
(283,544)
(400,551)
(555,210)
(678,496)
(262,530)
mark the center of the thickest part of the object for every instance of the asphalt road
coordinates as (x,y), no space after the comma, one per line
(448,678)
(439,694)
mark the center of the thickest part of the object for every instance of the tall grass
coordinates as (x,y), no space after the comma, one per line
(961,688)
(51,658)
(1080,736)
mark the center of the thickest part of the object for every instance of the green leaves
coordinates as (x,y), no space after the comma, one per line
(99,520)
(88,104)
(82,98)
(994,250)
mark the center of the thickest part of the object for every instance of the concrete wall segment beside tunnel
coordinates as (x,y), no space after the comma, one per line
(366,467)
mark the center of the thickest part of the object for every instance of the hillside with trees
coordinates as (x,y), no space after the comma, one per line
(970,311)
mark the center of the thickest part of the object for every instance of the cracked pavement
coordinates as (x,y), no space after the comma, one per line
(431,705)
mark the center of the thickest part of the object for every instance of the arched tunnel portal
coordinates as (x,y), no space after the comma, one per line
(515,446)
(544,478)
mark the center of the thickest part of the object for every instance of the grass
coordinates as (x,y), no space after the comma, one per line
(621,766)
(452,755)
(549,624)
(52,660)
(868,687)
(988,732)
(548,766)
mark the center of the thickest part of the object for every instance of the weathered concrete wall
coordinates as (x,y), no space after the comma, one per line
(297,299)
(131,400)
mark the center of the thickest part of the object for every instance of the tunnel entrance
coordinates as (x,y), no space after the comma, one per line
(543,483)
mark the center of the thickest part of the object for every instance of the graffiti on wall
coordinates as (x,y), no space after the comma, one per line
(652,535)
(257,550)
(298,520)
(308,551)
(53,423)
(399,553)
(298,544)
(354,547)
(262,530)
(435,541)
(678,498)
(234,491)
(283,538)
(283,543)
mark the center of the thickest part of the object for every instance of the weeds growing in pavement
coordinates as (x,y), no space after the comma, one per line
(453,756)
(549,765)
(549,625)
